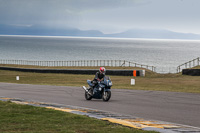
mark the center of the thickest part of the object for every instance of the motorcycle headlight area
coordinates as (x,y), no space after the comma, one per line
(110,83)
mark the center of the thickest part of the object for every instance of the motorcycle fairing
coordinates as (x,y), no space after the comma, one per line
(89,83)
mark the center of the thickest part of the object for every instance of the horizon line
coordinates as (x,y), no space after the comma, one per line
(90,37)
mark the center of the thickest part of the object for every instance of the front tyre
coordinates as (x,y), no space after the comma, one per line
(106,96)
(87,95)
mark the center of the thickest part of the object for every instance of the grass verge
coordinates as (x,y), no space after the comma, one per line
(152,81)
(24,118)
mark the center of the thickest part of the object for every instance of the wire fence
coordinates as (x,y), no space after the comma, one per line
(189,64)
(89,63)
(93,63)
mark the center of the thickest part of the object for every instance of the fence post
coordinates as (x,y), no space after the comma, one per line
(193,62)
(178,69)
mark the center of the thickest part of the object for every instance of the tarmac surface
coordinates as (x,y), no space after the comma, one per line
(175,107)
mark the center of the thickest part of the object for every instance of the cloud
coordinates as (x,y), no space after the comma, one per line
(59,13)
(22,7)
(105,15)
(34,11)
(21,25)
(84,5)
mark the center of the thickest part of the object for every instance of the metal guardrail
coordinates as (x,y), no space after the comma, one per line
(112,63)
(189,64)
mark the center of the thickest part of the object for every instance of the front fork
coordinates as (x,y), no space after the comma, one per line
(104,91)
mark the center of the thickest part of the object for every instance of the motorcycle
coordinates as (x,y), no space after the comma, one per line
(100,91)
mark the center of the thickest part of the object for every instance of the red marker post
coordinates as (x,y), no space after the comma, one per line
(134,73)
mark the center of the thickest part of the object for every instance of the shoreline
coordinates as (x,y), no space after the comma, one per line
(109,38)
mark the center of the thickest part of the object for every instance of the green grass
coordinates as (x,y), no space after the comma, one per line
(29,119)
(196,67)
(152,81)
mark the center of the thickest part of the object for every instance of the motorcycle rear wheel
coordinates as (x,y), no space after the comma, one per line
(106,96)
(87,95)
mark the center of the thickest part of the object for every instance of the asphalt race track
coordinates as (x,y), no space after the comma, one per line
(180,108)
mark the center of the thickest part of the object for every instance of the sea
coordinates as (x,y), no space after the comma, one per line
(164,54)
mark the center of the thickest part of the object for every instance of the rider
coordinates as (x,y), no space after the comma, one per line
(99,75)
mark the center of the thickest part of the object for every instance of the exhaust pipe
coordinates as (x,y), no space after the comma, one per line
(86,90)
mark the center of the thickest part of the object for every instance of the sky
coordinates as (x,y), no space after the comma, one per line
(107,16)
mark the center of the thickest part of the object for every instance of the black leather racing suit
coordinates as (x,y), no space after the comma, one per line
(98,76)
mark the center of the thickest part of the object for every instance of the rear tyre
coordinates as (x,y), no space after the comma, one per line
(87,95)
(106,96)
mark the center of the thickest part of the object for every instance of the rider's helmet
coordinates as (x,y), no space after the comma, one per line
(102,70)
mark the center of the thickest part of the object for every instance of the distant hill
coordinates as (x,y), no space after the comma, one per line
(156,34)
(133,33)
(38,30)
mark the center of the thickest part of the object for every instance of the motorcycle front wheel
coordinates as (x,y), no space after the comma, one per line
(87,95)
(106,95)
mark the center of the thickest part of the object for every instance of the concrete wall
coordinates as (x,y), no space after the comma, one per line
(77,71)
